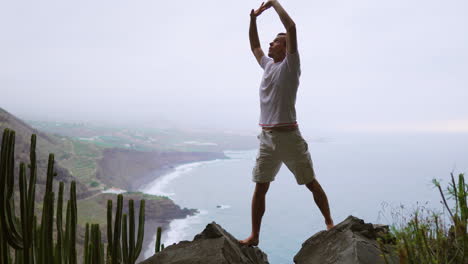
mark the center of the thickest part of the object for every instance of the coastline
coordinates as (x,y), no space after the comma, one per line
(133,171)
(170,228)
(130,170)
(175,230)
(153,183)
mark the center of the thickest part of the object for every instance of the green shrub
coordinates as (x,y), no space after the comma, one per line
(430,237)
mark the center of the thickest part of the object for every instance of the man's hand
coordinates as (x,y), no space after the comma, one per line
(259,11)
(270,3)
(253,34)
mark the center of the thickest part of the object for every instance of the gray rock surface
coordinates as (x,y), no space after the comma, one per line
(350,242)
(213,246)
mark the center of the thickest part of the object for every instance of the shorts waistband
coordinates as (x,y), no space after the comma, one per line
(281,128)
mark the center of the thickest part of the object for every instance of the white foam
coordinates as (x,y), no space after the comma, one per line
(159,185)
(198,143)
(179,230)
(114,190)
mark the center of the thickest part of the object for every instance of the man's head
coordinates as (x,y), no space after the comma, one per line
(277,50)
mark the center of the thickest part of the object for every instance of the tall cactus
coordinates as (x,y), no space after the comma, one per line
(109,231)
(94,253)
(19,238)
(130,249)
(73,223)
(59,254)
(86,254)
(158,240)
(122,247)
(33,243)
(116,248)
(47,223)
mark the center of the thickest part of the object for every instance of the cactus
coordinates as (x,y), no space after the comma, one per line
(130,249)
(19,240)
(4,249)
(109,230)
(33,243)
(59,254)
(86,253)
(121,247)
(115,238)
(73,223)
(158,240)
(94,253)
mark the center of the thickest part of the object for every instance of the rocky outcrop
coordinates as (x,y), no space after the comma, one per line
(213,246)
(350,242)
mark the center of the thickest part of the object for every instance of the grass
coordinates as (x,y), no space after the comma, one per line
(431,237)
(82,160)
(91,211)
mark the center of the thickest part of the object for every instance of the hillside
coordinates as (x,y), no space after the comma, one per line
(94,168)
(45,144)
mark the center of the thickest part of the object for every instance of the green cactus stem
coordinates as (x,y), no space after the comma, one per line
(158,240)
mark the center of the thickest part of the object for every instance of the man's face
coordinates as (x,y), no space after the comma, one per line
(277,47)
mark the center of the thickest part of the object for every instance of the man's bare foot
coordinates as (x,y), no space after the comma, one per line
(329,224)
(250,241)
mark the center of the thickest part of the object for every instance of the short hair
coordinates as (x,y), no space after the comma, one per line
(283,34)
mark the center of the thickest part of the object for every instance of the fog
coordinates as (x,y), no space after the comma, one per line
(378,66)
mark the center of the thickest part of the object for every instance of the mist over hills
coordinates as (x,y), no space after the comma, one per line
(98,165)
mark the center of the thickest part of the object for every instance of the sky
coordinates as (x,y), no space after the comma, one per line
(367,65)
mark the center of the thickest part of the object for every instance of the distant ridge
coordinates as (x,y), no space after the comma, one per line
(45,144)
(20,126)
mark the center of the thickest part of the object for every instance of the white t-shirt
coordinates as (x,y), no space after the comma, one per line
(278,91)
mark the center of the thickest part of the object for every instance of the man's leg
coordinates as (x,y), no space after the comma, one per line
(258,209)
(321,200)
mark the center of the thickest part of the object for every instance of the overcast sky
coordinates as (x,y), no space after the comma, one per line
(367,65)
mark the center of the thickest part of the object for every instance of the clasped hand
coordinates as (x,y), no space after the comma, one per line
(264,6)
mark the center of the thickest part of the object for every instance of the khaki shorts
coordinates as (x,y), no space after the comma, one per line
(277,147)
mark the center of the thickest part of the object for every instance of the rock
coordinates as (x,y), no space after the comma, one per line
(213,246)
(350,242)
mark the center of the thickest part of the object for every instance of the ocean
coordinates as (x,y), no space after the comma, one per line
(365,175)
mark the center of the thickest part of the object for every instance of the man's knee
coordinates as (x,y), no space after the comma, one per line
(314,186)
(261,188)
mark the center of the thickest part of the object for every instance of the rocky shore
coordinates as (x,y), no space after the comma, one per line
(159,212)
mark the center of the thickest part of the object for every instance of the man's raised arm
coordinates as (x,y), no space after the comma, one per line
(253,33)
(288,23)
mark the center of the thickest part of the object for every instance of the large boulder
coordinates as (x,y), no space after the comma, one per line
(213,246)
(350,242)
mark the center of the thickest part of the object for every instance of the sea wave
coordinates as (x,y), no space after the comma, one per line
(179,230)
(159,185)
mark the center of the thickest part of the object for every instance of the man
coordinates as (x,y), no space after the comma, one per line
(280,139)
